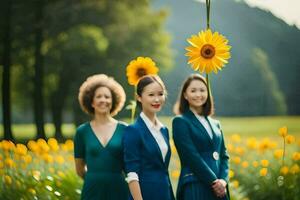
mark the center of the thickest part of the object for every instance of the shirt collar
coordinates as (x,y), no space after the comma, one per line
(150,124)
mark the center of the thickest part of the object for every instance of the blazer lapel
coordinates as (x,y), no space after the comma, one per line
(147,132)
(215,130)
(165,134)
(198,124)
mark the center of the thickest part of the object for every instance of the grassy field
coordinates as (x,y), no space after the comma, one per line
(245,126)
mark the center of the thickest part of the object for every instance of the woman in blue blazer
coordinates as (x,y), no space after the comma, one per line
(200,145)
(146,145)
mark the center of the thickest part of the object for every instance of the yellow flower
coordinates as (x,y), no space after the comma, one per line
(21,149)
(59,159)
(296,156)
(70,145)
(7,179)
(1,165)
(27,158)
(264,163)
(251,143)
(284,170)
(236,138)
(140,67)
(255,164)
(43,145)
(33,146)
(235,183)
(175,173)
(47,158)
(290,139)
(208,51)
(231,173)
(295,169)
(278,153)
(236,160)
(265,144)
(53,144)
(240,151)
(7,145)
(9,162)
(283,131)
(230,148)
(245,164)
(263,171)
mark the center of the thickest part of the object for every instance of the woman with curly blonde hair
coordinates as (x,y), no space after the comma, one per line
(98,143)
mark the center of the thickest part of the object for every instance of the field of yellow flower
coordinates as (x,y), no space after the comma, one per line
(264,168)
(260,169)
(40,170)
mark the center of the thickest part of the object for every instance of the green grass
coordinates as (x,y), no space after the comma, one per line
(245,126)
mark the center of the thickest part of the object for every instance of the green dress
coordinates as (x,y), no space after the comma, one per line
(104,179)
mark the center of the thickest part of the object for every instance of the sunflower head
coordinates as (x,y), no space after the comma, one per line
(140,67)
(208,51)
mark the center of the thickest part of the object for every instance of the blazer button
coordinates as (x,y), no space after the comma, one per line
(216,155)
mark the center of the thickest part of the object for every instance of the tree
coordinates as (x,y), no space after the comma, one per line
(38,98)
(6,97)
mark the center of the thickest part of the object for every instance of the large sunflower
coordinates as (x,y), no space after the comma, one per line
(140,67)
(208,51)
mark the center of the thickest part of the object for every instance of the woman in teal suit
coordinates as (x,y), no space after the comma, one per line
(146,145)
(98,144)
(200,145)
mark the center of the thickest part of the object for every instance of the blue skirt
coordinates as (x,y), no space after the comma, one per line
(198,191)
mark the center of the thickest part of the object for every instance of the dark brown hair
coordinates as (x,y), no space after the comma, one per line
(146,80)
(182,105)
(92,83)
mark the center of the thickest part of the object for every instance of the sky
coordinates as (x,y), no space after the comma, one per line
(287,10)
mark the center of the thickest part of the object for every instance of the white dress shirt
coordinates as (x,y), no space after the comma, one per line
(206,125)
(157,134)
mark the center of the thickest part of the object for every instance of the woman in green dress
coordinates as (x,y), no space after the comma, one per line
(98,143)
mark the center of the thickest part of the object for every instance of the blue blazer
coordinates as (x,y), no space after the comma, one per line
(196,149)
(142,155)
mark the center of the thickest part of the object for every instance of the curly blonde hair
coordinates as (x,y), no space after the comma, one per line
(92,83)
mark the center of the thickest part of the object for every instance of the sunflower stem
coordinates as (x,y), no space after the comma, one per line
(207,14)
(208,85)
(133,106)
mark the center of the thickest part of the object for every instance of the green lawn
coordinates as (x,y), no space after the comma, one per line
(245,126)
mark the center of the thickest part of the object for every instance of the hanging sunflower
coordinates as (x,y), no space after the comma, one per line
(140,67)
(208,51)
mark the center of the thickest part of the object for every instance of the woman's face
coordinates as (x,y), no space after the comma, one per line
(152,98)
(102,100)
(196,94)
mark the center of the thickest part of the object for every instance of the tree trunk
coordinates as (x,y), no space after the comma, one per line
(57,104)
(38,67)
(6,106)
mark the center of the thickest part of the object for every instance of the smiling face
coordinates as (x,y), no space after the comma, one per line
(196,94)
(152,98)
(102,101)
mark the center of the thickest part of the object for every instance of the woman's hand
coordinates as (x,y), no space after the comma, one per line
(219,187)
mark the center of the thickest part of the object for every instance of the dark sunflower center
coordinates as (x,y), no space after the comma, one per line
(208,51)
(141,72)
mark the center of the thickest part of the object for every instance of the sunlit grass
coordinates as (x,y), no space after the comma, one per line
(245,126)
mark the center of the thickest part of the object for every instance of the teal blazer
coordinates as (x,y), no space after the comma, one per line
(196,152)
(142,155)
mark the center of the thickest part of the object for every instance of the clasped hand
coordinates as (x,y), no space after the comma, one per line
(219,187)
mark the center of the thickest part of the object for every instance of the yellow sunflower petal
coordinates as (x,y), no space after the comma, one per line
(212,61)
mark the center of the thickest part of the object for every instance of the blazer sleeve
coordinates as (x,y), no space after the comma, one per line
(224,158)
(131,148)
(188,153)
